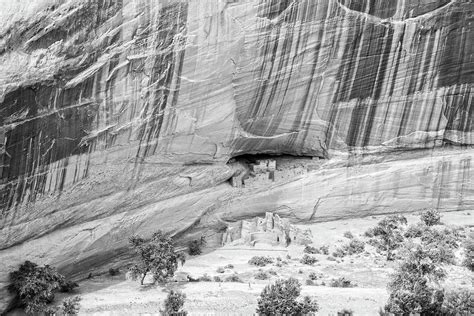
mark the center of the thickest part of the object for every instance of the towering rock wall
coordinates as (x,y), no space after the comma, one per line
(118,116)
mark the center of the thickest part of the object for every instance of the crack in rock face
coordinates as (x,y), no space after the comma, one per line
(397,9)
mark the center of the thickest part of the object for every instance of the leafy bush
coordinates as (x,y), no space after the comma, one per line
(114,271)
(260,261)
(261,275)
(411,286)
(174,303)
(338,253)
(194,248)
(233,278)
(369,232)
(229,266)
(314,276)
(341,282)
(220,270)
(309,260)
(348,234)
(324,250)
(156,256)
(71,306)
(415,230)
(460,302)
(217,278)
(68,287)
(205,278)
(430,217)
(311,250)
(440,244)
(331,258)
(282,298)
(469,253)
(272,272)
(309,282)
(345,312)
(34,286)
(389,234)
(355,246)
(446,236)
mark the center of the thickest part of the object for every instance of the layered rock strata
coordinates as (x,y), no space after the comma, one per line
(118,117)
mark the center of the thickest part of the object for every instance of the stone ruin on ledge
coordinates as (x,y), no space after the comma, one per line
(265,171)
(272,230)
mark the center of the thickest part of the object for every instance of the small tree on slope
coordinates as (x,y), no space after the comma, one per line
(156,256)
(389,233)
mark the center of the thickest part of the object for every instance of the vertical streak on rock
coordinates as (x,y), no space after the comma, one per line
(170,29)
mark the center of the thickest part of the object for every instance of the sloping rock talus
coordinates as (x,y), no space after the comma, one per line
(119,116)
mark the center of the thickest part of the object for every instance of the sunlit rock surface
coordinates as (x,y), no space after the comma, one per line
(118,117)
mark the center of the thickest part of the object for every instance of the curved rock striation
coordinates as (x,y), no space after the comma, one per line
(120,116)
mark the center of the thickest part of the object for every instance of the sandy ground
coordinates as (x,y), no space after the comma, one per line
(105,295)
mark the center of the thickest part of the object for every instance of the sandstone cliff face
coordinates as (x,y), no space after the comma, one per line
(119,116)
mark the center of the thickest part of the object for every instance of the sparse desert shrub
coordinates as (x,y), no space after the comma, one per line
(217,278)
(415,230)
(220,270)
(272,272)
(261,275)
(345,312)
(174,304)
(205,278)
(341,282)
(469,253)
(430,217)
(279,264)
(447,236)
(369,233)
(260,261)
(309,282)
(311,250)
(348,234)
(309,260)
(440,244)
(324,250)
(114,271)
(194,248)
(233,278)
(338,253)
(282,298)
(331,258)
(229,266)
(288,257)
(156,256)
(34,287)
(71,306)
(314,276)
(355,246)
(459,302)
